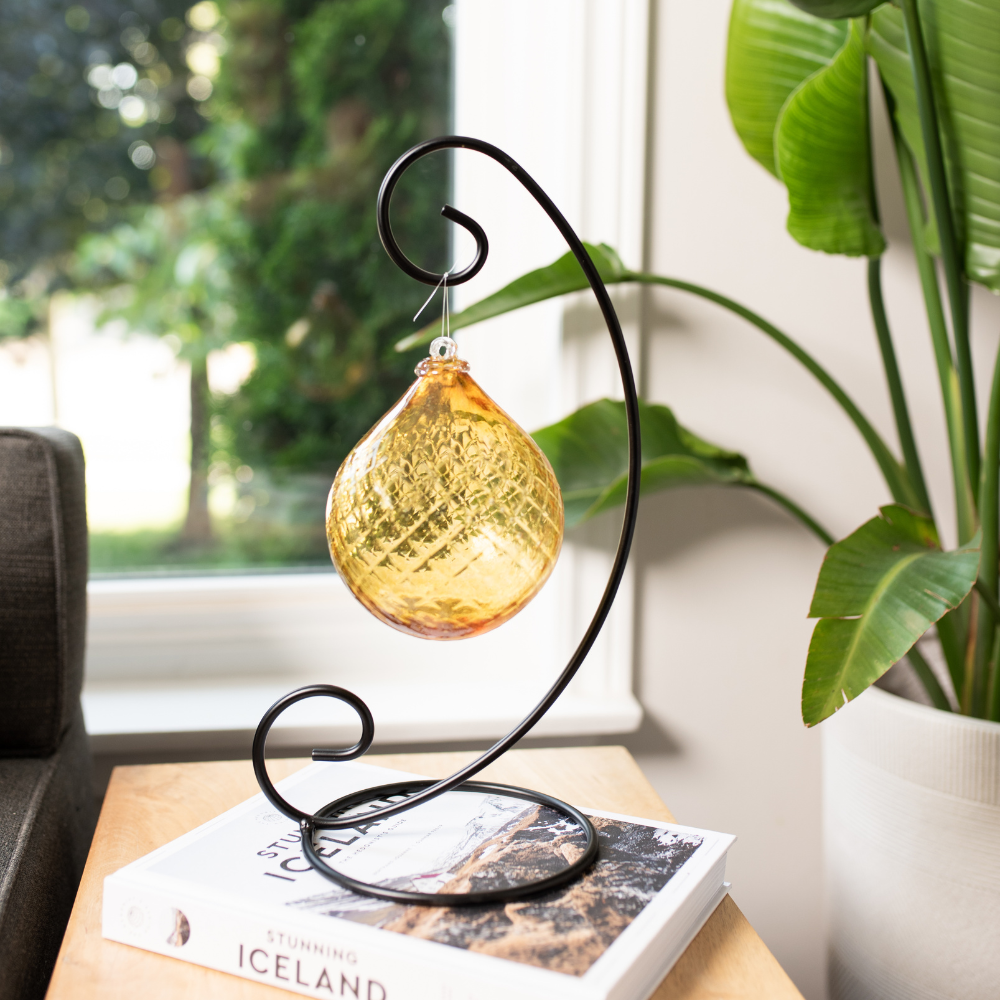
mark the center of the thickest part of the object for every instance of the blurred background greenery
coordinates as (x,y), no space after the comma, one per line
(210,173)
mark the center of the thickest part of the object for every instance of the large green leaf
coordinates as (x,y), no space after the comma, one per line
(824,158)
(963,42)
(589,453)
(565,275)
(837,8)
(878,591)
(773,48)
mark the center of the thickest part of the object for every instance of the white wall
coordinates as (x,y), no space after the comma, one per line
(725,578)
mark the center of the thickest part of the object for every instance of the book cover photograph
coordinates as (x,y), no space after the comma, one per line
(238,895)
(565,930)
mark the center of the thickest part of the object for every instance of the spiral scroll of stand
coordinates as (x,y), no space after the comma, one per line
(402,796)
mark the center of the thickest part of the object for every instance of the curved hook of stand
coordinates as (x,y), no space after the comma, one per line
(452,214)
(271,716)
(333,816)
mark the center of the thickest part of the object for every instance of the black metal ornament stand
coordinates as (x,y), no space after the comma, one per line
(341,814)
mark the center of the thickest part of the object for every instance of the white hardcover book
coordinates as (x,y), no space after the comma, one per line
(237,895)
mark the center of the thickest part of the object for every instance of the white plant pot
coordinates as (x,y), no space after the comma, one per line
(912,845)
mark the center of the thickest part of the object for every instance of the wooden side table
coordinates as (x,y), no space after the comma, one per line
(146,807)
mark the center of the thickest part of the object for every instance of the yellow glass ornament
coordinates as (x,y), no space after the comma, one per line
(446,518)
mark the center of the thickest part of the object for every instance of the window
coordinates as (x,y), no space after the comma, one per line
(210,180)
(185,659)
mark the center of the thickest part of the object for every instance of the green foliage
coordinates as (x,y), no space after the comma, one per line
(172,264)
(824,157)
(329,93)
(878,591)
(589,454)
(64,158)
(938,61)
(773,48)
(795,91)
(963,42)
(263,227)
(797,88)
(19,316)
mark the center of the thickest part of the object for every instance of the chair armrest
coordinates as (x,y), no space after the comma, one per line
(43,587)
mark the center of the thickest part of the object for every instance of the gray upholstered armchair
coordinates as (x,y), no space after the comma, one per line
(47,805)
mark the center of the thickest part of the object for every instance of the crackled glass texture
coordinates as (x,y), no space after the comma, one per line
(446,519)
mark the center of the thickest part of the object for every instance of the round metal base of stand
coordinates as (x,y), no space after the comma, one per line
(473,898)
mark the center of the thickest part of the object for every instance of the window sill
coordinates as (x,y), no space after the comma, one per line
(189,664)
(215,716)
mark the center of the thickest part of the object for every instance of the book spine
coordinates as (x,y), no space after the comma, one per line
(293,955)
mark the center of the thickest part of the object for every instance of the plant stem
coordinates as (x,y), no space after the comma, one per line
(951,631)
(907,442)
(795,510)
(989,564)
(969,675)
(989,498)
(904,427)
(931,684)
(950,628)
(993,694)
(950,394)
(991,601)
(895,476)
(944,218)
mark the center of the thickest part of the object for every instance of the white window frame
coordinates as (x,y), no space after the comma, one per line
(182,663)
